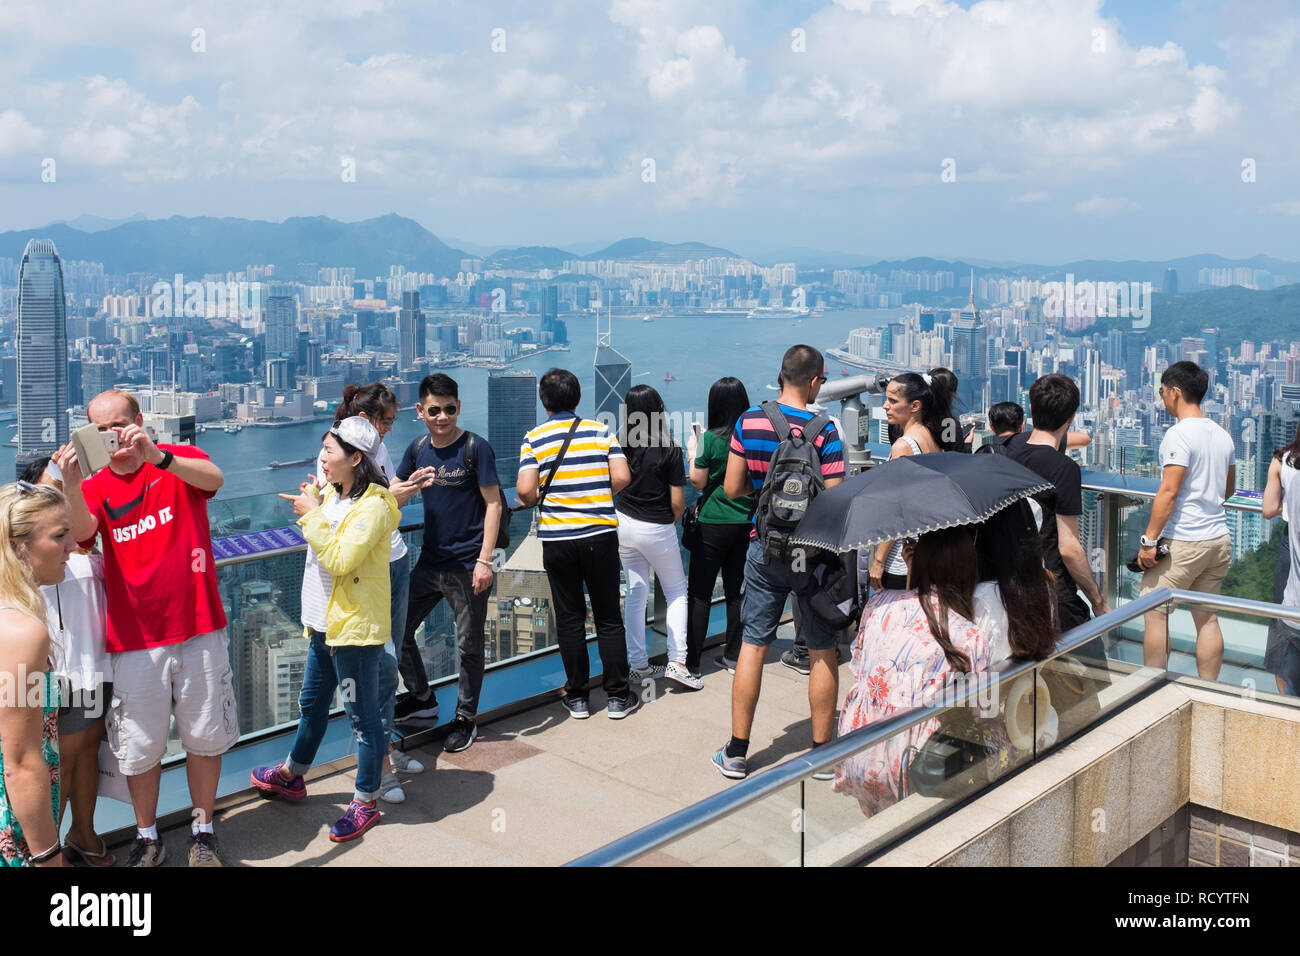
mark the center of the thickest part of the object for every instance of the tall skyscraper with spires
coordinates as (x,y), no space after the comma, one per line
(42,354)
(410,331)
(970,358)
(613,372)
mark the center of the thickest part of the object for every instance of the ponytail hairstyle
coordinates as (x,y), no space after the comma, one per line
(365,474)
(944,571)
(645,425)
(375,401)
(1010,553)
(946,381)
(22,507)
(936,405)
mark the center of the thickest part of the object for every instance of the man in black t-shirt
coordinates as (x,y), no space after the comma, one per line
(1053,400)
(1007,419)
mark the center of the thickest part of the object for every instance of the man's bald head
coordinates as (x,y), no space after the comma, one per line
(113,408)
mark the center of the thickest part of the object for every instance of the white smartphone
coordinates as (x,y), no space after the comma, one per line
(93,448)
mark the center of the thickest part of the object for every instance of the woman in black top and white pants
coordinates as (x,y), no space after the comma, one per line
(648,509)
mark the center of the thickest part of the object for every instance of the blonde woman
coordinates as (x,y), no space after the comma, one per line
(36,534)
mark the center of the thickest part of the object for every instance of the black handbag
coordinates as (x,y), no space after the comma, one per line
(966,753)
(691,534)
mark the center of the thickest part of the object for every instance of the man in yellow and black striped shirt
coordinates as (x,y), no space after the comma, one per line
(579,534)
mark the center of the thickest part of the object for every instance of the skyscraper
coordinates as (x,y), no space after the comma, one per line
(512,411)
(42,354)
(970,358)
(410,331)
(613,373)
(1171,281)
(281,317)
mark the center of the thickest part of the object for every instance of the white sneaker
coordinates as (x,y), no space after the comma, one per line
(404,762)
(646,674)
(390,790)
(678,673)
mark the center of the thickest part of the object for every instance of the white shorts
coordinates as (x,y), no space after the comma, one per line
(192,680)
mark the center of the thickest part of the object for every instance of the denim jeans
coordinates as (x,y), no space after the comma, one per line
(768,582)
(428,588)
(356,670)
(400,589)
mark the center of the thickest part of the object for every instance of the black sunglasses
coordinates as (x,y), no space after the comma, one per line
(433,411)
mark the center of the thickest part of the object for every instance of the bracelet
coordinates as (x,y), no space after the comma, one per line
(49,854)
(482,561)
(166,460)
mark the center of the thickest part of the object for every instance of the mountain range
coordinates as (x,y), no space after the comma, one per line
(204,244)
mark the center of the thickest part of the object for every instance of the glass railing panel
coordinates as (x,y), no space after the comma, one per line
(767,832)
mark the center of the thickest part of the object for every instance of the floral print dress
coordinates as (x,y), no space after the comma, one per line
(898,666)
(14,850)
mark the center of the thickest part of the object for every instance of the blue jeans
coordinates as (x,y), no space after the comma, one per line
(399,576)
(356,669)
(768,582)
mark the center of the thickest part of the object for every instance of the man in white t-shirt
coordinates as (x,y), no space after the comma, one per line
(1196,476)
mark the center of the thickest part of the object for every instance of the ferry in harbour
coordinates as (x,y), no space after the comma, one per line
(290,464)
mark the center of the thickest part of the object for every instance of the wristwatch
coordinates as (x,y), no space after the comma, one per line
(1148,543)
(166,462)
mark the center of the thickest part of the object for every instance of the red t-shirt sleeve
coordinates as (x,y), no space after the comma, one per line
(190,451)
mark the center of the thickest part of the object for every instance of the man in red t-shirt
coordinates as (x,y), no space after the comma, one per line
(166,626)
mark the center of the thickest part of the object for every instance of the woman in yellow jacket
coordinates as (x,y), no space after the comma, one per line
(345,612)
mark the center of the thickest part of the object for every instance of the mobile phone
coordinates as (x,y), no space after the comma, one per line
(697,428)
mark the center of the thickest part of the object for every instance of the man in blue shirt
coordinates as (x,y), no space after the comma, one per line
(462,512)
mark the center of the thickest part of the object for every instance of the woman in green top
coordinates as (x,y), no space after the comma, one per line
(724,526)
(35,541)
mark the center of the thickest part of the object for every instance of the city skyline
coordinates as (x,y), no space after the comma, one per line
(1053,130)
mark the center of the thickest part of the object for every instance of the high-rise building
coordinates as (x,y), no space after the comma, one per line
(281,317)
(97,375)
(410,331)
(42,354)
(1171,281)
(550,307)
(970,359)
(512,411)
(613,374)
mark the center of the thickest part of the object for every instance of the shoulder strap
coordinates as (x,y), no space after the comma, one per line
(774,415)
(550,475)
(815,425)
(471,466)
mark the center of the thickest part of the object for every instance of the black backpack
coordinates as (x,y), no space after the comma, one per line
(471,468)
(793,480)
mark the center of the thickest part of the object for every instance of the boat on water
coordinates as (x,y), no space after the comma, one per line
(844,371)
(290,464)
(232,428)
(669,377)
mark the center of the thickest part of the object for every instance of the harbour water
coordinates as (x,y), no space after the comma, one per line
(696,350)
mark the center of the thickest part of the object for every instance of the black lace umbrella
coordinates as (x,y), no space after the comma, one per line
(906,497)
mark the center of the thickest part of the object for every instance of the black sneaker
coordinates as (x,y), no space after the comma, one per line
(410,707)
(618,709)
(577,707)
(463,733)
(146,853)
(797,662)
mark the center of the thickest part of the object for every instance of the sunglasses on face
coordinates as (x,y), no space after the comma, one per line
(433,411)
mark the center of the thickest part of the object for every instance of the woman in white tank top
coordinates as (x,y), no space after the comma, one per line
(1282,497)
(920,406)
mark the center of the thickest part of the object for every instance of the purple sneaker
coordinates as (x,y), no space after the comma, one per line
(270,781)
(356,820)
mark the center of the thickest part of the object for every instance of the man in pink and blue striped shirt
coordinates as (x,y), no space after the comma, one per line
(770,581)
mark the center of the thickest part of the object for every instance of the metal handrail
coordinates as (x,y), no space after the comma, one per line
(1137,492)
(698,815)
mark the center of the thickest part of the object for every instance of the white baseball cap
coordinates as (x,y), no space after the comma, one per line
(360,434)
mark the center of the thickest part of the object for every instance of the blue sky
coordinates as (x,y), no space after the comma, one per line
(1067,128)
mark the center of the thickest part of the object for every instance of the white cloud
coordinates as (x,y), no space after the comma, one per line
(1103,206)
(17,136)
